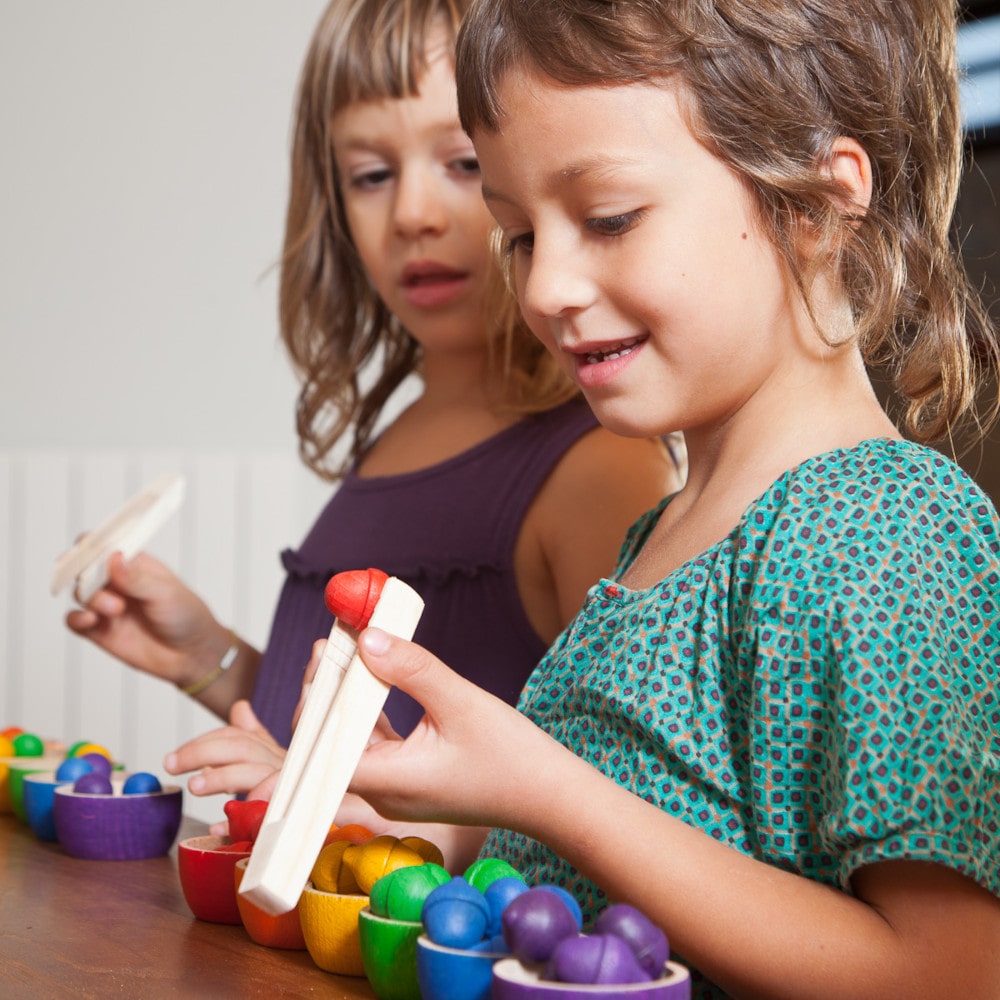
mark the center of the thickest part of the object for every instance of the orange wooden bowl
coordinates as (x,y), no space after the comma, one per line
(281,931)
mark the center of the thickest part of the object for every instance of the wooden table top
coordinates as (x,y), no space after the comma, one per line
(99,929)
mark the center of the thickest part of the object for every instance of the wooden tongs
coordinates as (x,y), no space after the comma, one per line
(339,714)
(126,531)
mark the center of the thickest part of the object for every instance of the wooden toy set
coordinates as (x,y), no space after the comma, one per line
(79,798)
(360,904)
(385,907)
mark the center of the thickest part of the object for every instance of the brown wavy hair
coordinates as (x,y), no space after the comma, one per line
(350,352)
(773,85)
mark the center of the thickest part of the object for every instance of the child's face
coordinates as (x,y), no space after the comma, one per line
(635,255)
(411,191)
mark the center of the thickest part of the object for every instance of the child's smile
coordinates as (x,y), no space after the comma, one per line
(597,365)
(618,351)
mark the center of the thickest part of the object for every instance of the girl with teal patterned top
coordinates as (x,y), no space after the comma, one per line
(776,728)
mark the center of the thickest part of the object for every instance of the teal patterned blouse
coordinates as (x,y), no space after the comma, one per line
(819,690)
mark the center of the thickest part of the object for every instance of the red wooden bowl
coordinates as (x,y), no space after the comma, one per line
(208,879)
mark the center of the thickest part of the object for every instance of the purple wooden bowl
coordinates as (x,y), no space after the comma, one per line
(514,981)
(117,827)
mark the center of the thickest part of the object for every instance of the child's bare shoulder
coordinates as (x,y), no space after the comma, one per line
(604,464)
(602,485)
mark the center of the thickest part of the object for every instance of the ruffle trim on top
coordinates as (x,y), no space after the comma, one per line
(296,565)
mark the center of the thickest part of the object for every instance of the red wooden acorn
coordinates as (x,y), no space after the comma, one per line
(351,596)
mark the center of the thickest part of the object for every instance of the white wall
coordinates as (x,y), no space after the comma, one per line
(142,195)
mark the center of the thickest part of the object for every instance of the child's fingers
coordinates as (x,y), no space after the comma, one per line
(220,829)
(414,670)
(309,674)
(383,730)
(447,769)
(242,716)
(220,747)
(104,603)
(142,577)
(264,789)
(82,620)
(231,779)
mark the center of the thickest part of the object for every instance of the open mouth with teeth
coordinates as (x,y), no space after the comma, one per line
(613,352)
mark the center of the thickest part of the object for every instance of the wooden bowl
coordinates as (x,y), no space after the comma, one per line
(39,803)
(12,774)
(514,981)
(281,931)
(454,973)
(208,879)
(389,953)
(117,827)
(330,928)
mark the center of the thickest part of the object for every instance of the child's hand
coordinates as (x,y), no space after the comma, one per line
(236,758)
(147,617)
(459,845)
(472,759)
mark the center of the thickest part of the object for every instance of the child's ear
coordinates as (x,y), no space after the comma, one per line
(851,170)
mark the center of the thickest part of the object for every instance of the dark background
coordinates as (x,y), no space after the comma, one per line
(977,228)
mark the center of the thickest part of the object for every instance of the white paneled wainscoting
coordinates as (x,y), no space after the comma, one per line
(239,512)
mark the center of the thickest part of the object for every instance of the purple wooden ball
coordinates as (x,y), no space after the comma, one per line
(98,762)
(569,899)
(535,922)
(593,959)
(647,941)
(93,783)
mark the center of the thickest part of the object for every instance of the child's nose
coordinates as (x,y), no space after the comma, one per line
(555,282)
(419,207)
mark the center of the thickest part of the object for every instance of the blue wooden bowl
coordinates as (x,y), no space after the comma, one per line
(454,973)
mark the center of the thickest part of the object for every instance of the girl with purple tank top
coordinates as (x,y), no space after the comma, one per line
(494,494)
(455,548)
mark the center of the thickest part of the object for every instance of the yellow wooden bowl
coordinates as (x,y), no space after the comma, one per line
(330,928)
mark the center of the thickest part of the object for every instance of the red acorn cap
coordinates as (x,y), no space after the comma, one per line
(351,596)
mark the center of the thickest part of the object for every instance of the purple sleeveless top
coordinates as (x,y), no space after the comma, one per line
(449,532)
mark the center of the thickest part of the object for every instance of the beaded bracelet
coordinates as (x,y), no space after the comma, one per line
(228,659)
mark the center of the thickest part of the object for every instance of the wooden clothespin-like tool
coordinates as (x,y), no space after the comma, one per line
(339,714)
(126,531)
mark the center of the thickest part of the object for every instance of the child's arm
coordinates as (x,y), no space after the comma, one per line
(912,929)
(147,617)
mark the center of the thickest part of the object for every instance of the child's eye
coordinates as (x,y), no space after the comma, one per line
(525,242)
(466,165)
(371,179)
(615,225)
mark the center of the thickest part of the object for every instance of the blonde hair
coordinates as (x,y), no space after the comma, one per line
(350,352)
(774,86)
